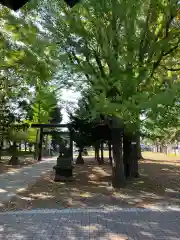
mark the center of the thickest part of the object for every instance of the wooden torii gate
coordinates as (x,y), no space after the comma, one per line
(42,133)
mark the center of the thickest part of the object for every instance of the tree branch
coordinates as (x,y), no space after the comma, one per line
(143,42)
(98,61)
(171,69)
(157,63)
(172,49)
(72,56)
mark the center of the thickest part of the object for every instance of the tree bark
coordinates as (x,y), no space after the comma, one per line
(20,146)
(157,148)
(102,153)
(134,156)
(161,148)
(110,152)
(97,157)
(30,147)
(80,159)
(131,155)
(139,153)
(118,179)
(127,155)
(95,152)
(1,147)
(25,146)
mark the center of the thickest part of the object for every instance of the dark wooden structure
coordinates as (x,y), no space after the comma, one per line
(64,167)
(42,133)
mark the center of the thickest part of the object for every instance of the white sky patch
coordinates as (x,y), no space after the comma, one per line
(69,97)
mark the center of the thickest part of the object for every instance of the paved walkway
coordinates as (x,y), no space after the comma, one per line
(11,182)
(90,224)
(80,224)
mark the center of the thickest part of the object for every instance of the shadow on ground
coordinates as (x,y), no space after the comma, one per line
(23,161)
(159,185)
(94,224)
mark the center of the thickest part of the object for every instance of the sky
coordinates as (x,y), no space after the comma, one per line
(69,96)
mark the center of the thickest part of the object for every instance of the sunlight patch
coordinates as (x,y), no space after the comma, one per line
(113,236)
(26,198)
(2,190)
(86,194)
(92,227)
(139,182)
(16,236)
(21,190)
(1,228)
(41,195)
(171,190)
(147,234)
(1,204)
(120,195)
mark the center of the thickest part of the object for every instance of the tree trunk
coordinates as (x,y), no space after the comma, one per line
(135,157)
(131,155)
(161,148)
(127,155)
(97,146)
(110,152)
(166,150)
(1,147)
(102,153)
(25,146)
(95,152)
(14,159)
(20,146)
(118,178)
(80,159)
(139,153)
(30,147)
(157,148)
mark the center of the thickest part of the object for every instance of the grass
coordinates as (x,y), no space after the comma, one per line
(159,184)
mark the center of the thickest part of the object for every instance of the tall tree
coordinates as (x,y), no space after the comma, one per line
(117,45)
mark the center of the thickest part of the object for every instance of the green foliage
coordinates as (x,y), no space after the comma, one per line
(28,62)
(17,136)
(45,105)
(118,44)
(31,135)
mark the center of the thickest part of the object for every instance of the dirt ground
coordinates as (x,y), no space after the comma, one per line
(159,184)
(24,161)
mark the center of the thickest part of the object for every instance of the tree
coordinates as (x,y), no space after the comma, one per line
(162,126)
(117,45)
(89,127)
(81,133)
(26,63)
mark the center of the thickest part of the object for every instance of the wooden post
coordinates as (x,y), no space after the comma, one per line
(40,145)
